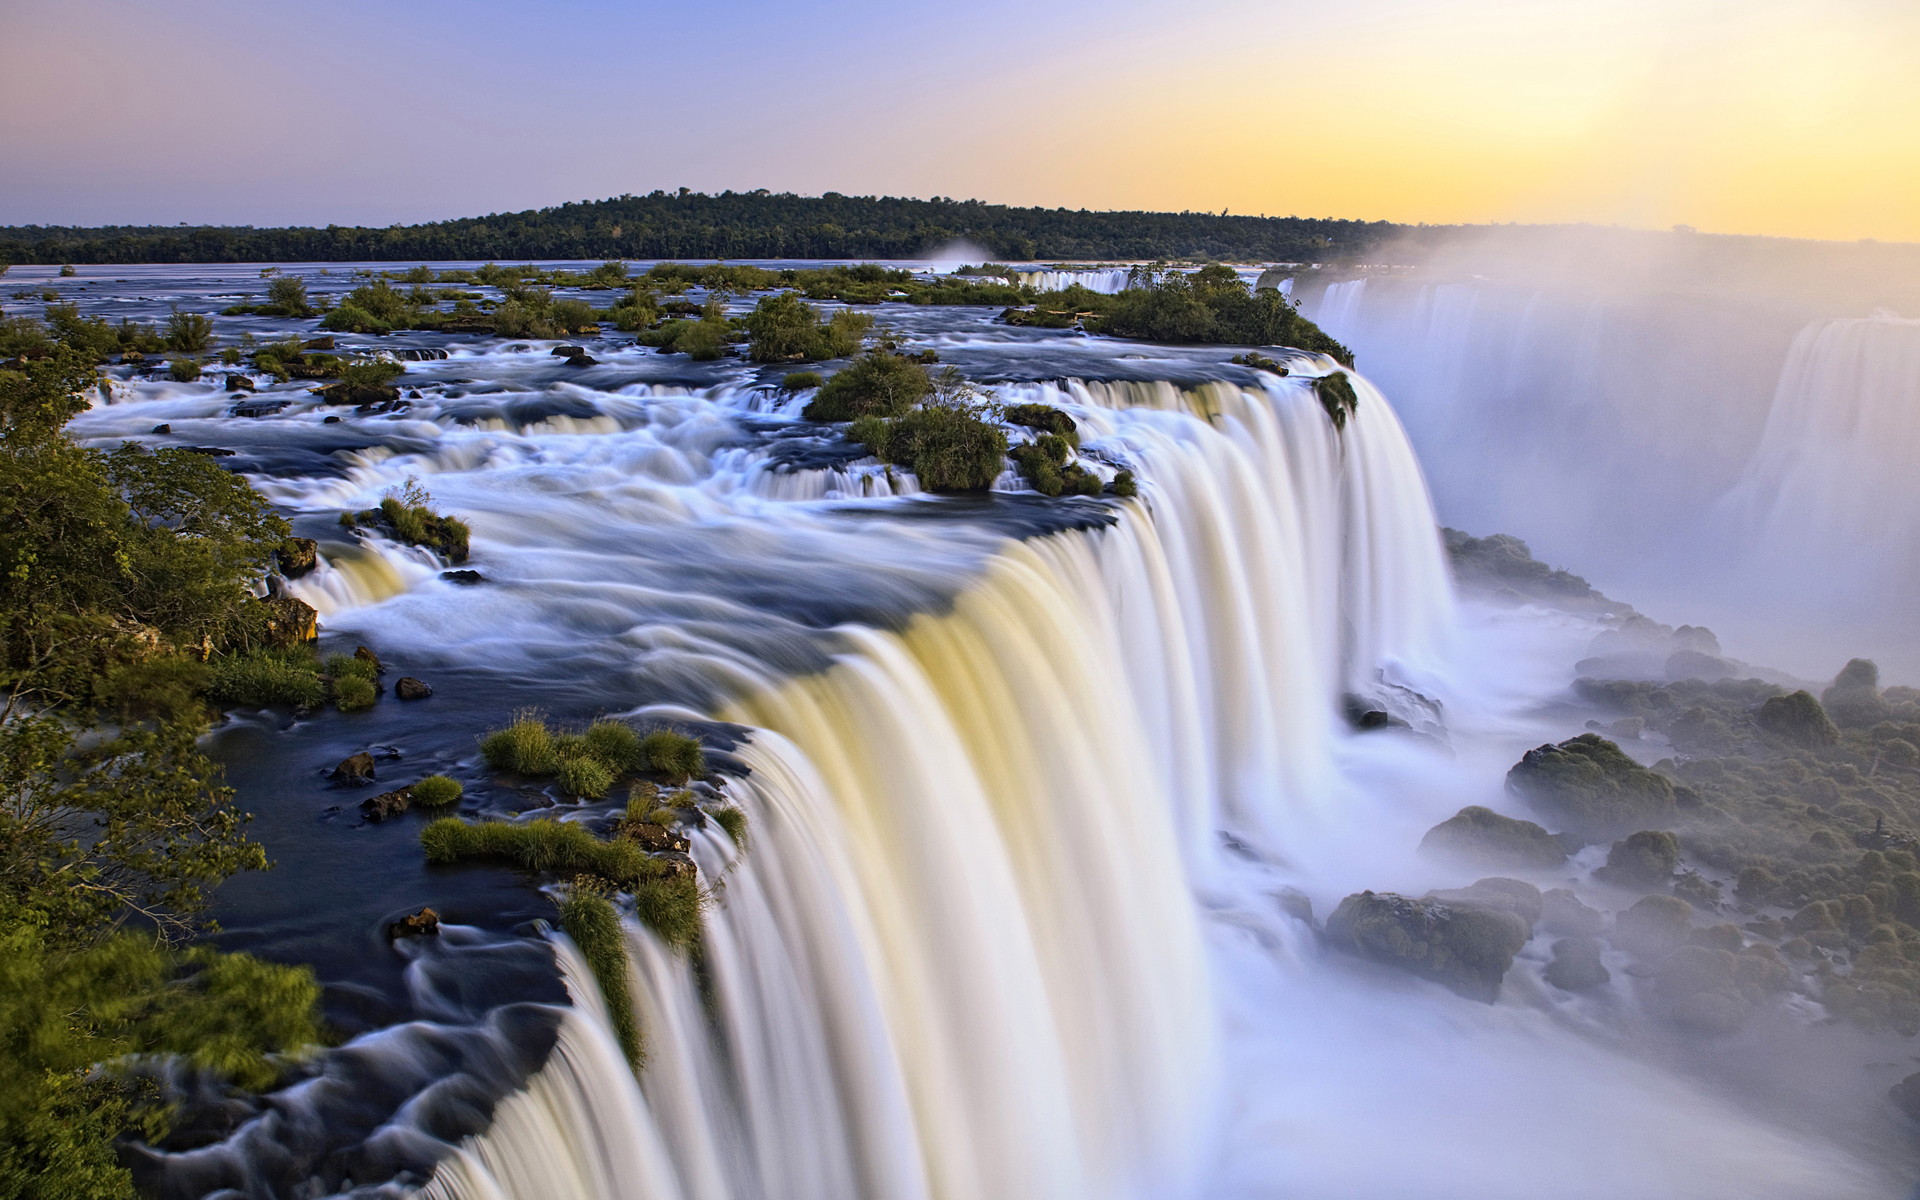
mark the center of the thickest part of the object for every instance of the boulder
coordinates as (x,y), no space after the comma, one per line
(1797,718)
(1589,785)
(367,656)
(566,351)
(1562,915)
(425,923)
(676,866)
(386,804)
(163,429)
(319,343)
(1645,859)
(1692,664)
(330,421)
(365,395)
(355,769)
(582,360)
(297,556)
(1576,965)
(1484,837)
(1654,926)
(1464,948)
(1854,702)
(1497,894)
(239,383)
(464,578)
(284,621)
(656,839)
(409,688)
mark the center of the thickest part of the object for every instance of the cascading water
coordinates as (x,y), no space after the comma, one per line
(1104,282)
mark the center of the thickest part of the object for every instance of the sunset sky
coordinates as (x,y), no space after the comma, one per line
(1744,116)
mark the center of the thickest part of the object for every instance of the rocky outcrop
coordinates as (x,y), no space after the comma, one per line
(1496,894)
(355,769)
(297,556)
(1467,949)
(409,688)
(463,578)
(1576,965)
(1483,837)
(656,839)
(1645,859)
(1797,718)
(425,923)
(1654,926)
(386,804)
(1592,787)
(284,622)
(367,656)
(1562,915)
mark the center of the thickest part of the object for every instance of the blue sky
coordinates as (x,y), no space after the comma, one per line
(1775,116)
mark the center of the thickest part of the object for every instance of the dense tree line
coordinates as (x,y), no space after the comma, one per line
(731,225)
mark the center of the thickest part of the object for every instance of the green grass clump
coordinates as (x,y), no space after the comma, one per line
(352,693)
(614,743)
(183,370)
(1124,486)
(1336,395)
(436,791)
(346,666)
(785,328)
(411,519)
(525,747)
(580,772)
(878,383)
(539,845)
(948,449)
(264,677)
(671,908)
(734,821)
(590,920)
(800,381)
(672,754)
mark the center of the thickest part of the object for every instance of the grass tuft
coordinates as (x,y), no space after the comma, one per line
(588,917)
(436,791)
(525,747)
(673,754)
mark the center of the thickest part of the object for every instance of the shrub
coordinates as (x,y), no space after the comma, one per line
(515,319)
(288,293)
(1336,395)
(436,791)
(264,677)
(1044,418)
(525,747)
(800,381)
(184,370)
(673,754)
(351,318)
(573,316)
(1123,485)
(412,520)
(783,327)
(589,919)
(878,383)
(352,693)
(734,821)
(635,311)
(606,275)
(189,332)
(948,449)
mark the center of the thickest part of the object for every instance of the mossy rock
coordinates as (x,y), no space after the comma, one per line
(1798,718)
(1645,859)
(1653,927)
(1591,786)
(1576,965)
(1467,949)
(1562,914)
(1482,836)
(1496,894)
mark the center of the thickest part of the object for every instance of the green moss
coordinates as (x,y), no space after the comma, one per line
(526,747)
(589,919)
(1479,835)
(1046,419)
(540,845)
(1588,784)
(1798,718)
(1123,485)
(1336,395)
(348,666)
(800,381)
(672,754)
(1645,859)
(436,791)
(1468,949)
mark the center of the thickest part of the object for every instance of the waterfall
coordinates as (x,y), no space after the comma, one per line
(963,957)
(1105,282)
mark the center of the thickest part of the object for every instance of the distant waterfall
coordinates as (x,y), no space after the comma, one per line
(963,957)
(1104,282)
(1829,492)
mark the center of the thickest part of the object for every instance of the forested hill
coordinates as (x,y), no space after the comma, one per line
(684,225)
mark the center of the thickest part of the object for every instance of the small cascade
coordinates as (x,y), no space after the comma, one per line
(1105,282)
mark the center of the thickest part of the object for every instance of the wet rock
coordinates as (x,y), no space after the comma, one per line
(386,804)
(239,383)
(583,360)
(1480,835)
(567,351)
(1906,1096)
(1692,664)
(675,866)
(1645,859)
(1496,894)
(1654,926)
(1467,949)
(163,429)
(1576,965)
(656,839)
(1699,891)
(319,343)
(419,355)
(425,923)
(1797,718)
(258,408)
(1562,915)
(464,578)
(368,396)
(367,656)
(355,769)
(297,556)
(1589,785)
(409,688)
(284,621)
(209,451)
(330,421)
(1296,904)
